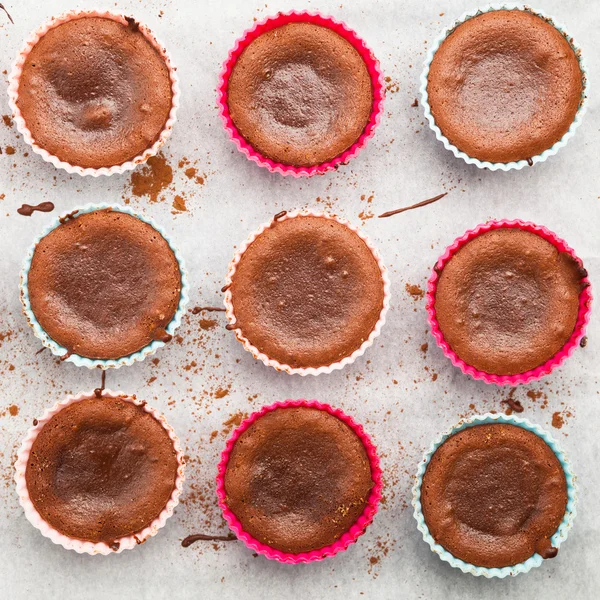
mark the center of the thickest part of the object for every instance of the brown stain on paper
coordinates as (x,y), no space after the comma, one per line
(151,179)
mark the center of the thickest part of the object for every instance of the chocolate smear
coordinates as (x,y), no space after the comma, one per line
(415,103)
(198,309)
(190,539)
(40,350)
(7,13)
(65,355)
(27,209)
(418,205)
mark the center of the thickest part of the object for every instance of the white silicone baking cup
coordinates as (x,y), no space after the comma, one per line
(81,546)
(82,361)
(308,370)
(13,94)
(514,164)
(557,539)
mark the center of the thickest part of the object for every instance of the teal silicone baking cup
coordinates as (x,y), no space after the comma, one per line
(533,561)
(82,361)
(517,165)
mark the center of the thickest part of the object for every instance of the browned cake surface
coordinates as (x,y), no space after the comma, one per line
(508,301)
(504,86)
(104,285)
(94,93)
(101,469)
(297,479)
(307,292)
(493,495)
(300,94)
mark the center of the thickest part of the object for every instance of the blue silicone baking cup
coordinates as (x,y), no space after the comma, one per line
(517,165)
(534,561)
(82,361)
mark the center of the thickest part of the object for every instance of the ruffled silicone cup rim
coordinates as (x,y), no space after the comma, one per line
(13,94)
(517,165)
(82,546)
(82,361)
(347,538)
(258,355)
(277,21)
(583,317)
(534,561)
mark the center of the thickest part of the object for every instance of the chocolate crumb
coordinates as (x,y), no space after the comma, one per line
(415,103)
(583,342)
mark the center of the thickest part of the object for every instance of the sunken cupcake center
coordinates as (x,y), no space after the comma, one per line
(297,95)
(494,490)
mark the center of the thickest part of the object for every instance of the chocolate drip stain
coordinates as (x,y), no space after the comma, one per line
(231,327)
(114,546)
(98,391)
(162,336)
(198,309)
(190,539)
(66,355)
(280,215)
(27,209)
(417,205)
(132,24)
(7,13)
(68,216)
(225,287)
(40,350)
(515,405)
(530,162)
(545,548)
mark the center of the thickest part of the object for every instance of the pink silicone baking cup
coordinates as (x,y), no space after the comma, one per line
(583,317)
(258,355)
(81,546)
(347,538)
(13,94)
(272,23)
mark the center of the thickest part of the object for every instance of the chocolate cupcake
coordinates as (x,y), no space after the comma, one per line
(495,496)
(103,287)
(503,86)
(307,293)
(300,93)
(508,299)
(299,481)
(99,473)
(93,91)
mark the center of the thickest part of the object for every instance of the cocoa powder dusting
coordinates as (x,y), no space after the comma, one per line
(179,203)
(557,420)
(415,291)
(152,178)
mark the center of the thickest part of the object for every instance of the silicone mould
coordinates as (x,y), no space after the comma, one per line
(583,317)
(534,561)
(277,21)
(347,538)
